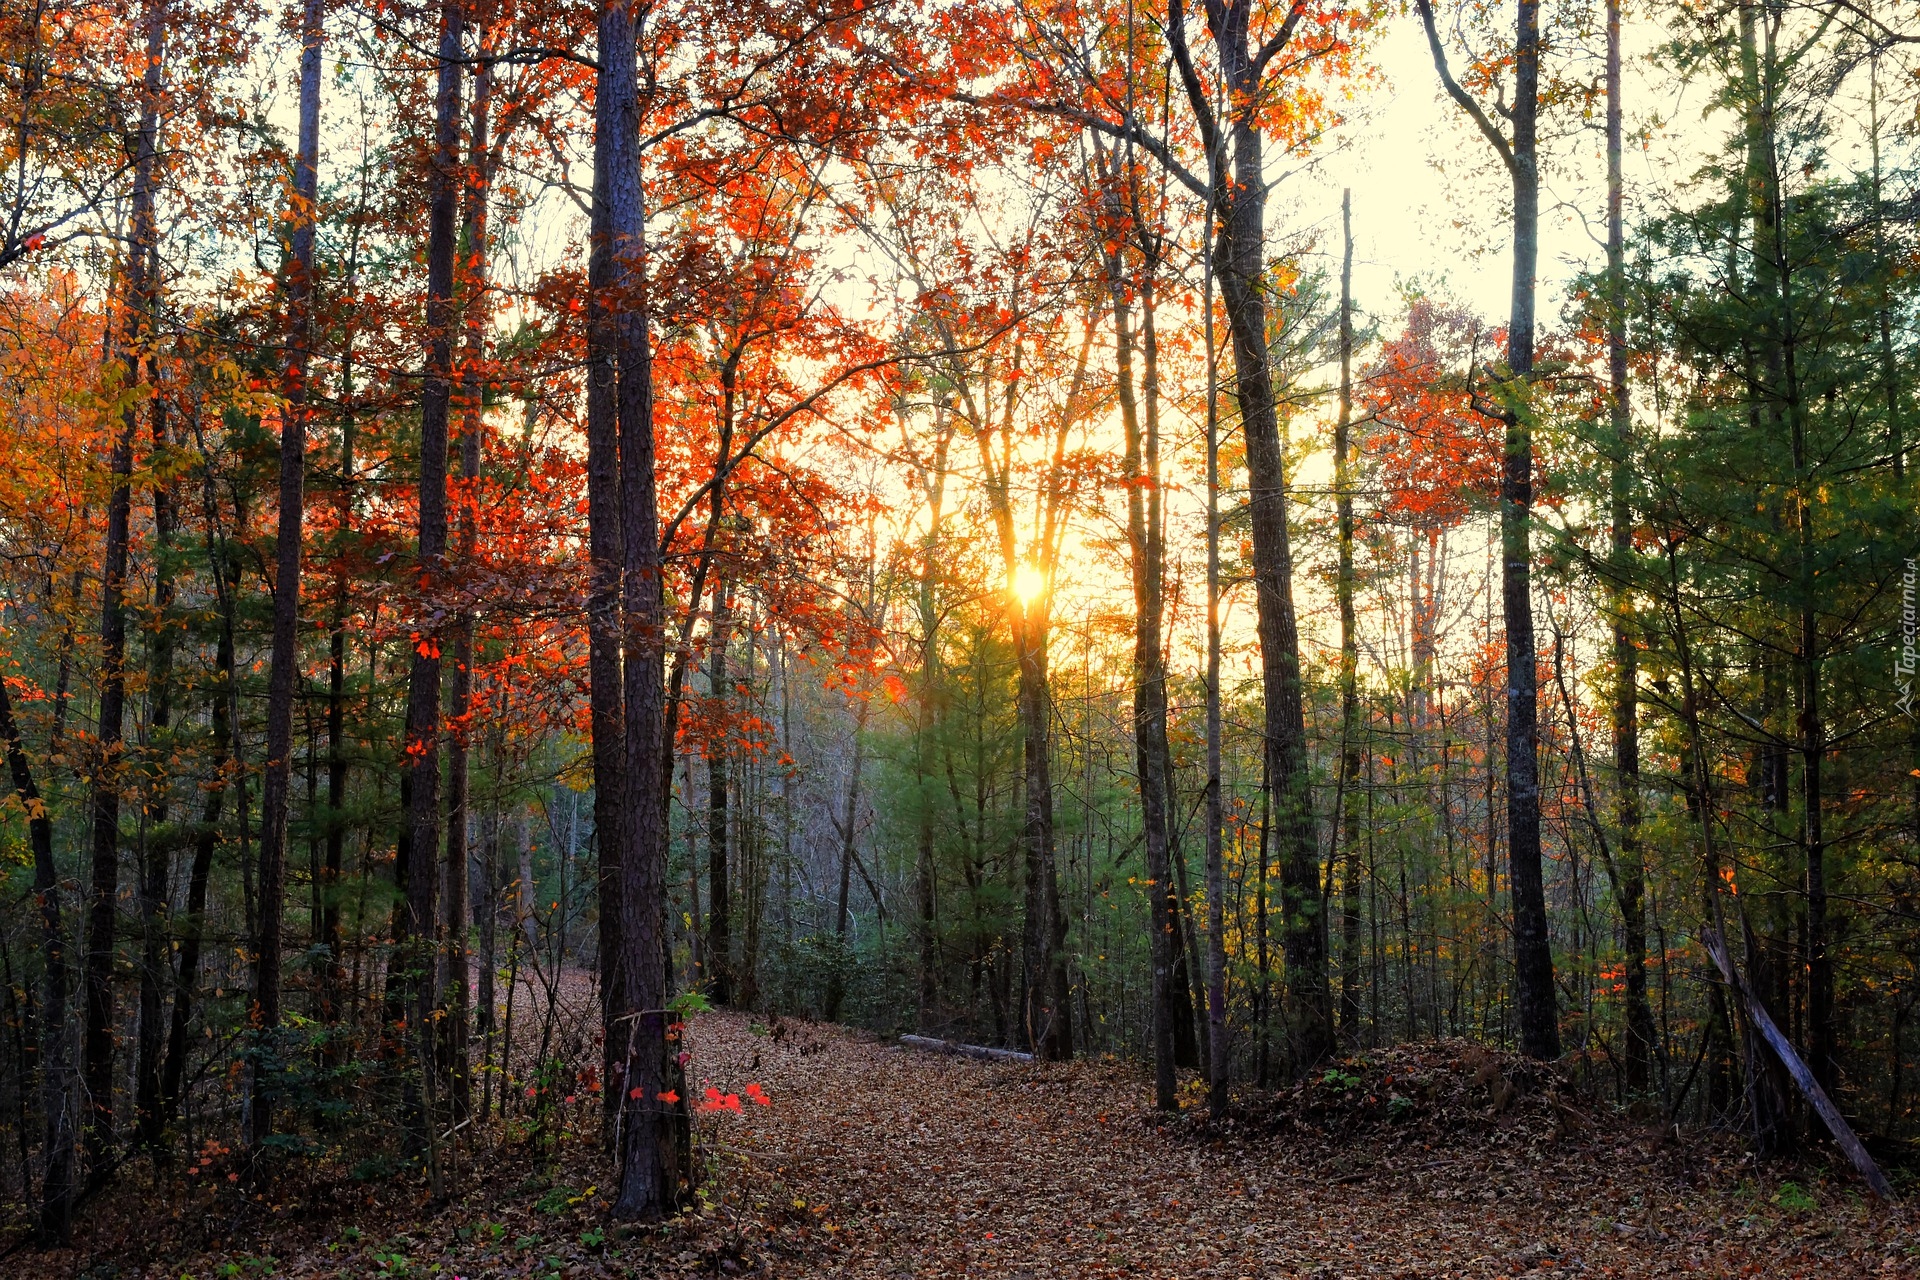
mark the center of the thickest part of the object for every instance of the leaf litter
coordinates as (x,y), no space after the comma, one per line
(868,1160)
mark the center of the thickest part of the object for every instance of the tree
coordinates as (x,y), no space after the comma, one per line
(1520,156)
(303,195)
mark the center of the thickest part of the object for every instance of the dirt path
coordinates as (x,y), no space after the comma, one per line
(917,1165)
(871,1161)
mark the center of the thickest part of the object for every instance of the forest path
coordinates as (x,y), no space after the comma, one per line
(913,1164)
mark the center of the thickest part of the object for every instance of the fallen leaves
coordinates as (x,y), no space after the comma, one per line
(880,1163)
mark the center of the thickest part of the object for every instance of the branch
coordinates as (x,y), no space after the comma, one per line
(1280,40)
(1458,94)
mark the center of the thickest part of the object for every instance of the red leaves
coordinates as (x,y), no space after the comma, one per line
(715,1101)
(1438,455)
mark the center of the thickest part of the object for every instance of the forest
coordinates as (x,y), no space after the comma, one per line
(1276,579)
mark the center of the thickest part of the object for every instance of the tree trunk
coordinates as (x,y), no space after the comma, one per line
(284,666)
(1349,783)
(849,831)
(97,1047)
(606,552)
(719,883)
(653,1132)
(157,859)
(1046,1019)
(193,931)
(926,872)
(487,915)
(58,1187)
(1534,996)
(1626,660)
(1149,673)
(460,692)
(1239,251)
(415,946)
(333,981)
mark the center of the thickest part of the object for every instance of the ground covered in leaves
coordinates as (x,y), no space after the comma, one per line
(875,1161)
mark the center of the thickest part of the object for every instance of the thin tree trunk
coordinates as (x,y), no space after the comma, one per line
(284,665)
(97,1039)
(1349,784)
(1149,673)
(487,911)
(1626,654)
(334,978)
(460,691)
(58,1185)
(849,831)
(1534,999)
(157,862)
(415,944)
(719,883)
(226,577)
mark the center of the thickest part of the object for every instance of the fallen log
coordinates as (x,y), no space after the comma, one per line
(1763,1022)
(928,1044)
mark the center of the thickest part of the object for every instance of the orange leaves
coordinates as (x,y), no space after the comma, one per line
(713,1101)
(1438,454)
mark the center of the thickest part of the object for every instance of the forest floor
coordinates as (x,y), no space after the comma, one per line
(871,1160)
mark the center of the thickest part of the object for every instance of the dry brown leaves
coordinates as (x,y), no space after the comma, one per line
(875,1161)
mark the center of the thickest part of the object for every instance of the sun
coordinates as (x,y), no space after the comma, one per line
(1028,583)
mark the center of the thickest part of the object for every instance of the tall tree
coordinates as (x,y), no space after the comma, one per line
(719,881)
(652,1123)
(478,182)
(58,1184)
(1118,176)
(414,945)
(1348,788)
(1535,1001)
(1631,874)
(97,1042)
(1232,130)
(284,662)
